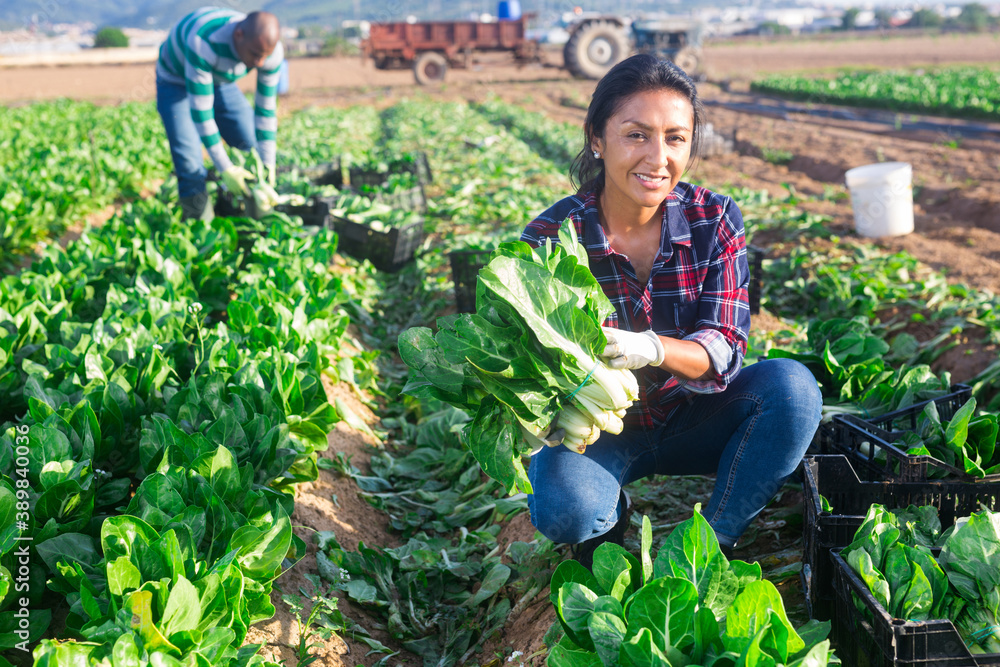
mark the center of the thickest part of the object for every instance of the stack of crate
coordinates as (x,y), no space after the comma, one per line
(863,464)
(391,249)
(387,249)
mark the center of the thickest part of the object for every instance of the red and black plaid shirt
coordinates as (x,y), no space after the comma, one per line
(697,289)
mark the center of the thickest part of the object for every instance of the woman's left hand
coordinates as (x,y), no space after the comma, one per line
(627,349)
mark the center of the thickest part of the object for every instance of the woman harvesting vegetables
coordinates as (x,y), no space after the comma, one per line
(671,257)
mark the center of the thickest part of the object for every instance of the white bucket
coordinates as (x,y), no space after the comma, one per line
(882,198)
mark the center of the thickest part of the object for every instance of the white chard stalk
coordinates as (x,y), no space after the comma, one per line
(599,405)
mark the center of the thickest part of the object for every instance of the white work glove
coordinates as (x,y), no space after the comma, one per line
(235,180)
(627,349)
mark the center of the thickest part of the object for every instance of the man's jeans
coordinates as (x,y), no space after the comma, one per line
(233,115)
(752,435)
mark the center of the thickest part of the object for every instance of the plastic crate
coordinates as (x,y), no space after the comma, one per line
(325,173)
(420,167)
(821,439)
(315,213)
(862,440)
(226,206)
(836,479)
(387,251)
(423,169)
(409,199)
(870,637)
(755,257)
(465,266)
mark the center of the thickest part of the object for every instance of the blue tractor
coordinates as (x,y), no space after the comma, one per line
(598,42)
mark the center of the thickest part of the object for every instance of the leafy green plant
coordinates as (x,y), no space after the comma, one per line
(847,359)
(65,160)
(776,155)
(689,605)
(530,352)
(165,445)
(967,441)
(891,553)
(323,621)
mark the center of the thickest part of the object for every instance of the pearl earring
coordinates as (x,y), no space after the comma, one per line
(597,155)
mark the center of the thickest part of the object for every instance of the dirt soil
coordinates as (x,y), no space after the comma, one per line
(957,219)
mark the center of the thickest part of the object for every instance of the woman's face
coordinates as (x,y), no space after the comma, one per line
(646,147)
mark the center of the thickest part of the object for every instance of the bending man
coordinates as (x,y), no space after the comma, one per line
(201,105)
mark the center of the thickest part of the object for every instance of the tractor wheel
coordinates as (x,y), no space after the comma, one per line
(430,68)
(595,48)
(689,60)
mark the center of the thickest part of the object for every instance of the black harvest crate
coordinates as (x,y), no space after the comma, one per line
(871,442)
(836,479)
(388,250)
(867,636)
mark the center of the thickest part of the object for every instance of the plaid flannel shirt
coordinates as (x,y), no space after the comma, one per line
(697,288)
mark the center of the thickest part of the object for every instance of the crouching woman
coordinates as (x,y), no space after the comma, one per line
(671,257)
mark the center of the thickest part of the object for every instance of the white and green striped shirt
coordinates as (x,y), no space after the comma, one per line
(199,54)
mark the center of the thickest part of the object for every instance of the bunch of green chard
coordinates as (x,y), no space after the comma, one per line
(967,441)
(891,553)
(689,606)
(530,352)
(971,559)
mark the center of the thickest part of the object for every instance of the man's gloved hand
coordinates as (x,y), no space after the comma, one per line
(627,349)
(235,180)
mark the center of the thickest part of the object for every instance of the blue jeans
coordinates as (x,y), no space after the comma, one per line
(233,115)
(752,435)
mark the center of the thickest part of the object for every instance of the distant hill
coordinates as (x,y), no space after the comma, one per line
(162,14)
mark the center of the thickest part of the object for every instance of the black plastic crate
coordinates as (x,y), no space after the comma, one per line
(325,173)
(870,637)
(821,439)
(387,251)
(755,257)
(863,439)
(836,479)
(227,206)
(314,213)
(465,266)
(419,167)
(408,199)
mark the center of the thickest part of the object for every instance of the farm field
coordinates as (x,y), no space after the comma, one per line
(499,141)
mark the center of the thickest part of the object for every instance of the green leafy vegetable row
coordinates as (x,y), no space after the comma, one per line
(967,92)
(64,160)
(171,384)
